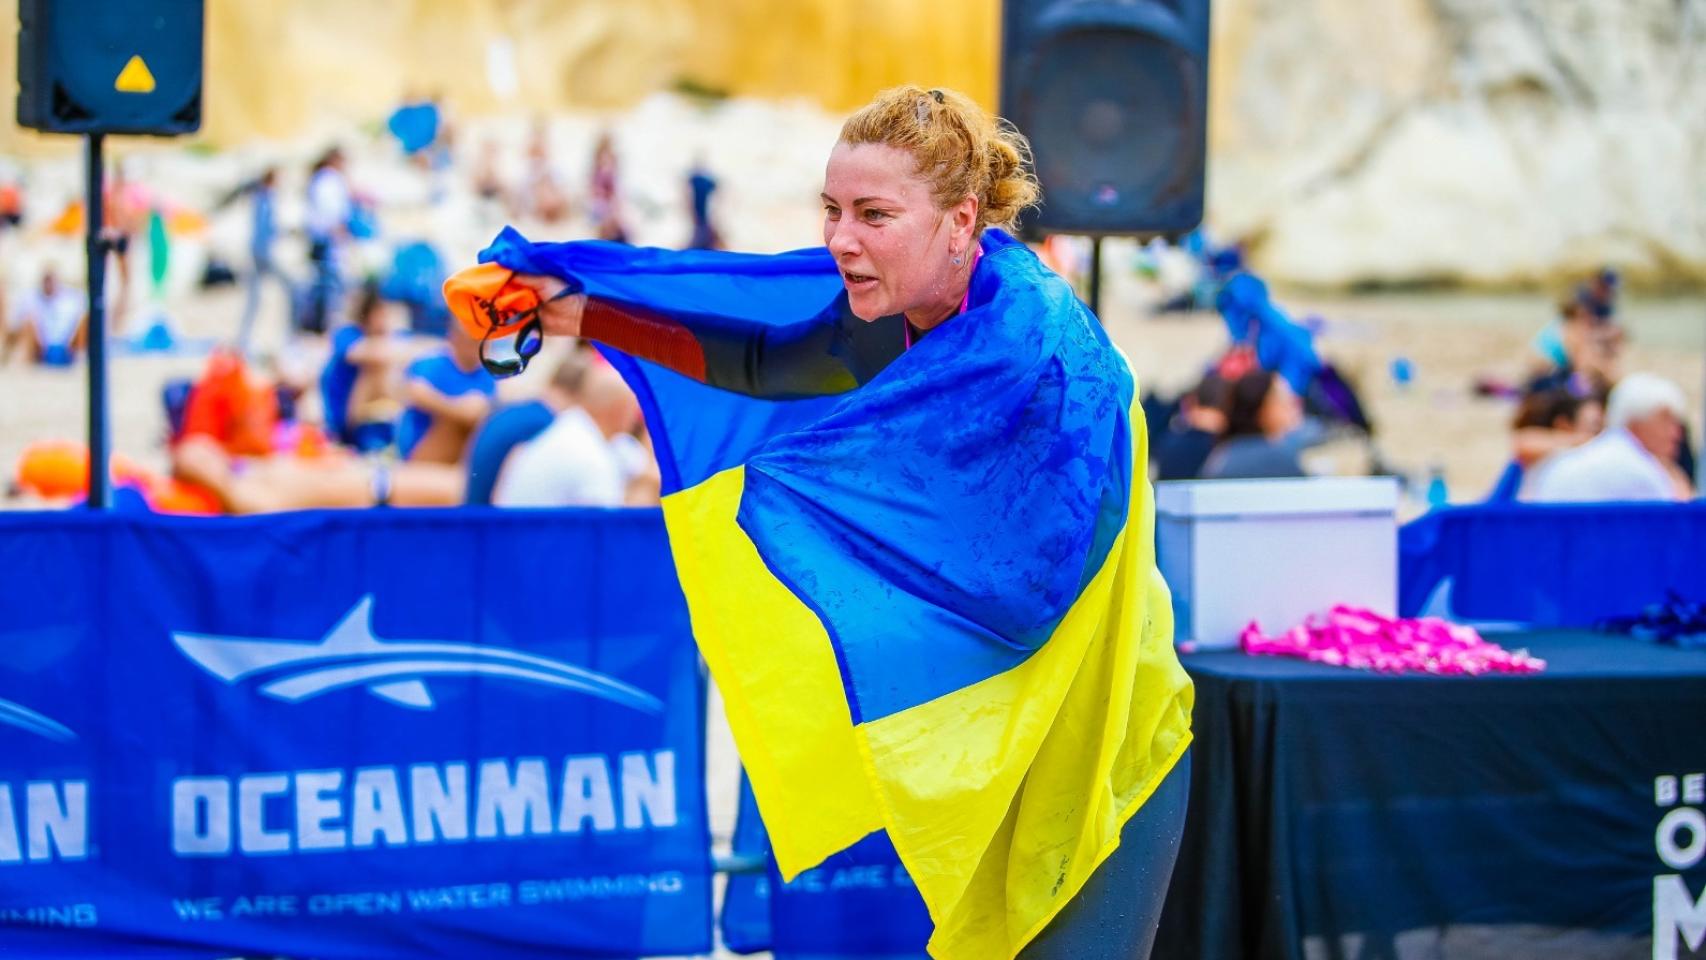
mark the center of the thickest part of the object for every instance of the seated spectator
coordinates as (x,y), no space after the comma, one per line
(576,461)
(511,426)
(361,385)
(1547,423)
(1580,351)
(49,324)
(1553,421)
(1633,459)
(1184,446)
(1264,436)
(448,395)
(230,406)
(272,484)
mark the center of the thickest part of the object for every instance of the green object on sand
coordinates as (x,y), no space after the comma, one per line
(159,251)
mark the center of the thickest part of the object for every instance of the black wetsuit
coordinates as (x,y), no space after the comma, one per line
(828,354)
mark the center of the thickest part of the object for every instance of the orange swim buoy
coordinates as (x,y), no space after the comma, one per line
(54,469)
(484,298)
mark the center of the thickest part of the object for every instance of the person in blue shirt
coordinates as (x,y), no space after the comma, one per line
(1184,442)
(448,395)
(261,236)
(359,387)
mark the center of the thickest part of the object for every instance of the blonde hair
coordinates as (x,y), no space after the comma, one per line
(961,150)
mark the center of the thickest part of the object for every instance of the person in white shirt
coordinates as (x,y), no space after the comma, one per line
(327,224)
(1633,459)
(328,213)
(49,323)
(576,460)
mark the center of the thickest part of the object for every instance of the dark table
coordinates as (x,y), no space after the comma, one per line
(1340,814)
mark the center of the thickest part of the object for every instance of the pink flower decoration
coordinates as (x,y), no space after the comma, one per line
(1364,640)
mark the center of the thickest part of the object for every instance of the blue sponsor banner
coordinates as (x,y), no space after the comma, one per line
(1552,564)
(349,735)
(745,920)
(858,905)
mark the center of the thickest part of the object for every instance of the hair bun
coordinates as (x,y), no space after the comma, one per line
(960,149)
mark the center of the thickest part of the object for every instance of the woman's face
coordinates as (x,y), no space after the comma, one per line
(893,245)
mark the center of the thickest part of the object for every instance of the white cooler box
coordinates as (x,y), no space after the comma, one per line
(1274,551)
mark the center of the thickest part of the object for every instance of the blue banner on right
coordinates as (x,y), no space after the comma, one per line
(1551,565)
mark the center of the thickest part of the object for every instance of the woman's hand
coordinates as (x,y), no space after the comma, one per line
(560,315)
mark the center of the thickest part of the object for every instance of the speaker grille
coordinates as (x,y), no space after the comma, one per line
(1113,97)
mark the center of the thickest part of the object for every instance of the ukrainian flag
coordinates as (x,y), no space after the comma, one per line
(931,603)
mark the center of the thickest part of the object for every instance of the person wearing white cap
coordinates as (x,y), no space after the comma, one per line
(1634,459)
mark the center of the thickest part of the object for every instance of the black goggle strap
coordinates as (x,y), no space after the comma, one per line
(524,347)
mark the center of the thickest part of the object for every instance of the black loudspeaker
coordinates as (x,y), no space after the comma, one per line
(110,66)
(1113,95)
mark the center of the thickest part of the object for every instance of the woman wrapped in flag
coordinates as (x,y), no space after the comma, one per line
(907,502)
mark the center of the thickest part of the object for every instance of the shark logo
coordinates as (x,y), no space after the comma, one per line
(22,717)
(350,655)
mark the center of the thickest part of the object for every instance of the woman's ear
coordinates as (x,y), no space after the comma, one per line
(964,220)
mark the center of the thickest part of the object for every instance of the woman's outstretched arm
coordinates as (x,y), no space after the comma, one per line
(797,360)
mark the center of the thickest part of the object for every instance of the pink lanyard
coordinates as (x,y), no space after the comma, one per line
(965,301)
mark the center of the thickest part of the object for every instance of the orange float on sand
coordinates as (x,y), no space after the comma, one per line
(54,469)
(59,470)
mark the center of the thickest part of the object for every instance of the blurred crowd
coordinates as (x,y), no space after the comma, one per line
(377,398)
(1263,401)
(1583,431)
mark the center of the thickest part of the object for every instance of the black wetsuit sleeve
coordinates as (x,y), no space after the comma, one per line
(825,355)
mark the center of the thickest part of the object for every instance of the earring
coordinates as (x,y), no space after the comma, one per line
(957,260)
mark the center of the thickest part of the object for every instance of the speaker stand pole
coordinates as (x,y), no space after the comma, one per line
(1096,276)
(100,484)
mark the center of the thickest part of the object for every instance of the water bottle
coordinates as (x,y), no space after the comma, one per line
(1438,496)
